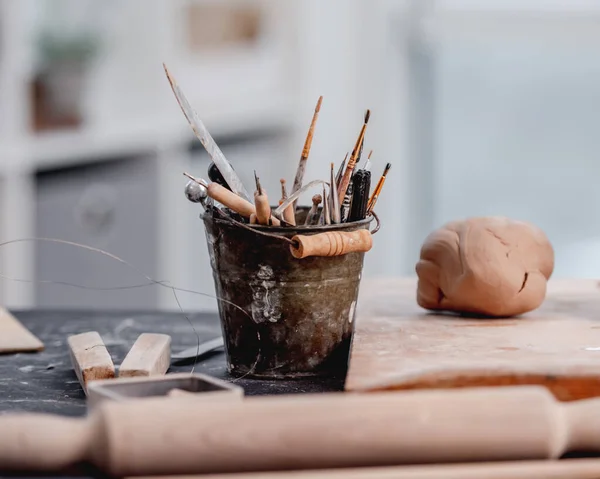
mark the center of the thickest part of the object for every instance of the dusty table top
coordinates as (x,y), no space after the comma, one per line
(45,381)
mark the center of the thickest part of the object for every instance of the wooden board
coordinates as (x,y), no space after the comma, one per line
(398,345)
(14,337)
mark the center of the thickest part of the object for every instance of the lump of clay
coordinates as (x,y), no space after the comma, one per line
(490,266)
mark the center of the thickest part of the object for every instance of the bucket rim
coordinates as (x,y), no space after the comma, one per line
(207,215)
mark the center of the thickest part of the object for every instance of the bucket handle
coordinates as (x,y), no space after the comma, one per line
(329,243)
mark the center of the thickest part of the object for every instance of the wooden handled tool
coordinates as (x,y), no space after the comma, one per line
(312,216)
(306,150)
(345,180)
(332,243)
(262,206)
(288,215)
(172,435)
(229,199)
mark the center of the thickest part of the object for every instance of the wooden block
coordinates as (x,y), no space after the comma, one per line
(149,356)
(90,358)
(14,337)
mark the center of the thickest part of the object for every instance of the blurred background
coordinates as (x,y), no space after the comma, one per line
(483,107)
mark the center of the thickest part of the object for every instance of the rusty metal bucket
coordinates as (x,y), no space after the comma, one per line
(282,317)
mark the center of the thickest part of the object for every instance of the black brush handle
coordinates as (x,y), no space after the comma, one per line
(345,206)
(360,196)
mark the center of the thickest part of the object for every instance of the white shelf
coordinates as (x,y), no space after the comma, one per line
(65,148)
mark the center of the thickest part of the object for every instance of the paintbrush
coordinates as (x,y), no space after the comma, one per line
(367,166)
(352,161)
(230,176)
(333,200)
(377,190)
(306,150)
(338,176)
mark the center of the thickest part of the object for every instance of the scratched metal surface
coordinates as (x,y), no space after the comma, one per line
(45,381)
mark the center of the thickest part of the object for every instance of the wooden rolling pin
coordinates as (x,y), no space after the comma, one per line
(332,243)
(559,469)
(171,436)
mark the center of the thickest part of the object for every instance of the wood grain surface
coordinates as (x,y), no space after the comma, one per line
(398,345)
(14,337)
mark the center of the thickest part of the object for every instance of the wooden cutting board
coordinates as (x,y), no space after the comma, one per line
(14,337)
(398,345)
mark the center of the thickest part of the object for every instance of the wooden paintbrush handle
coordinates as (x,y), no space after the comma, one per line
(332,243)
(230,200)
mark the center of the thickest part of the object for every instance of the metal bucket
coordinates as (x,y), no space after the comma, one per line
(282,317)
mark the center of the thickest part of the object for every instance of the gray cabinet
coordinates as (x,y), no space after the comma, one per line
(108,205)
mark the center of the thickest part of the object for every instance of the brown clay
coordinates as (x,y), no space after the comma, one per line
(492,266)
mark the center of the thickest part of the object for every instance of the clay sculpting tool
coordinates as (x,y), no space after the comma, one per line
(361,184)
(306,150)
(340,171)
(288,215)
(333,200)
(198,350)
(377,190)
(195,192)
(278,213)
(352,161)
(127,438)
(312,218)
(126,389)
(225,197)
(261,203)
(325,215)
(213,150)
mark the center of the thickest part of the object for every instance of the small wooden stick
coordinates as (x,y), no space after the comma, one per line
(149,356)
(332,243)
(261,203)
(306,150)
(288,215)
(352,161)
(338,176)
(377,190)
(333,200)
(90,358)
(312,216)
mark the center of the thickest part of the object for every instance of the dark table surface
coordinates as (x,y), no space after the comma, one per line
(45,381)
